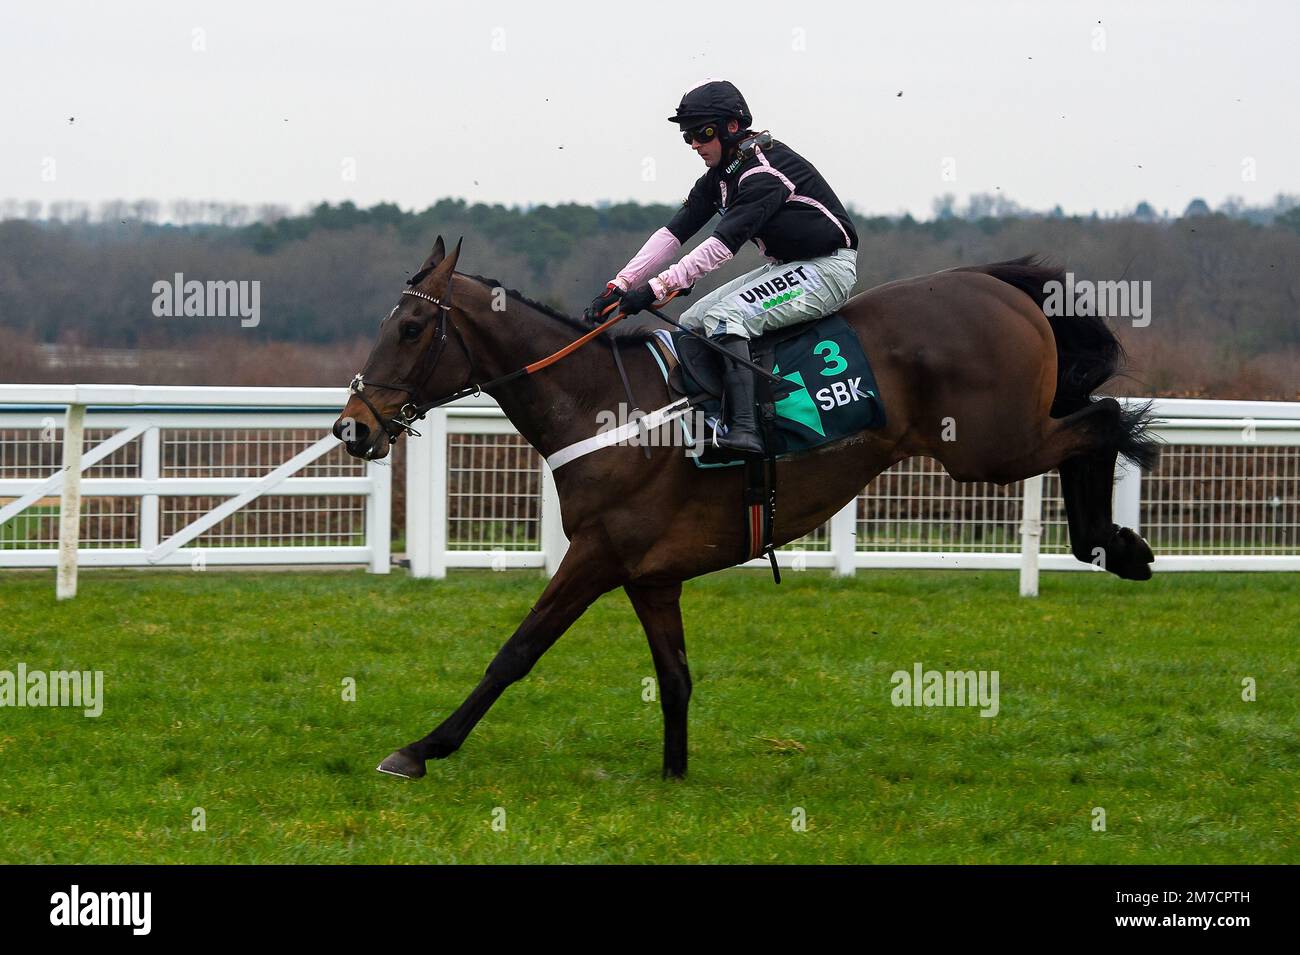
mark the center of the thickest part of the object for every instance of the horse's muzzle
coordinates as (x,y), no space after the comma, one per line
(360,440)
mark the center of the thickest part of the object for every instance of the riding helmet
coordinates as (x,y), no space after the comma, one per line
(712,100)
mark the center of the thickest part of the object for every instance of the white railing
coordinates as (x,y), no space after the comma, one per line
(183,476)
(466,507)
(1226,497)
(210,476)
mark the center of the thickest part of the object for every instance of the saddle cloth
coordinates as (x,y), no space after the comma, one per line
(833,390)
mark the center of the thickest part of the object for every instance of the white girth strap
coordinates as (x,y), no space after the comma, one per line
(619,435)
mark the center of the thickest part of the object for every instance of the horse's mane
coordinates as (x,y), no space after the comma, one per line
(619,333)
(519,296)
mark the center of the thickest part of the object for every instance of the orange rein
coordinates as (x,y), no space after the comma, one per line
(578,343)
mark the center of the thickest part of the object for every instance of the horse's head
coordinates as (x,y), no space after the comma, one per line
(410,364)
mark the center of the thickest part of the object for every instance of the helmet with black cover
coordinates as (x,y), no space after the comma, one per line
(714,100)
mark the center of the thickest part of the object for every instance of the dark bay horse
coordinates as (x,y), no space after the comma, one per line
(966,350)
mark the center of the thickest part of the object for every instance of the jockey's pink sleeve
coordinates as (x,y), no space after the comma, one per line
(659,248)
(705,257)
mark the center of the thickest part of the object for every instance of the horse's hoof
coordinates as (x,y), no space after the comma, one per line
(1130,555)
(674,770)
(402,764)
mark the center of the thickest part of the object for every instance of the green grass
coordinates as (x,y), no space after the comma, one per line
(223,691)
(27,526)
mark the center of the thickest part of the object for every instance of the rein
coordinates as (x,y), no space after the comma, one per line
(412,411)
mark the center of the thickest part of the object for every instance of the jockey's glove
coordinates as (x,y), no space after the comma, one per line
(637,299)
(601,305)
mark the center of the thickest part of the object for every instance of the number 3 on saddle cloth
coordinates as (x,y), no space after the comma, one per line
(834,394)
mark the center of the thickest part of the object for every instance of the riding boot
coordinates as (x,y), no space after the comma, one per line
(738,389)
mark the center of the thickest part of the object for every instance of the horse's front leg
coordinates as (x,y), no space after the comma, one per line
(582,576)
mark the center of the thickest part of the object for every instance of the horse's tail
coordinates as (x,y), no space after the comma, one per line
(1087,355)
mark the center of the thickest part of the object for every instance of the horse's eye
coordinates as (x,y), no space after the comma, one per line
(411,331)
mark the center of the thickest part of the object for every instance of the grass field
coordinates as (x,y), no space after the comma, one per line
(223,691)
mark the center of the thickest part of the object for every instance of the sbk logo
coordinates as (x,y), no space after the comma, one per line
(839,393)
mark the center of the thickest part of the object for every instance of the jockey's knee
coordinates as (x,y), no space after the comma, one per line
(692,320)
(720,324)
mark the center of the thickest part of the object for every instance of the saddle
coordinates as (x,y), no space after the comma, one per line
(829,393)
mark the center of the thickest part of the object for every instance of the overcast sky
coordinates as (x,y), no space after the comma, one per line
(1089,105)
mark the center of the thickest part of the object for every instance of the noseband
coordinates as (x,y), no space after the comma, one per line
(413,410)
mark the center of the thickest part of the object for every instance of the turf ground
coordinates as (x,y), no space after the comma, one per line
(224,692)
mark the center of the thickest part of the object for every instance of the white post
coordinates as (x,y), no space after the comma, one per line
(418,552)
(150,470)
(1127,504)
(554,543)
(70,506)
(379,516)
(1031,531)
(426,498)
(844,539)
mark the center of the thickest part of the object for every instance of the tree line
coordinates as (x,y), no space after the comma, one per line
(1225,286)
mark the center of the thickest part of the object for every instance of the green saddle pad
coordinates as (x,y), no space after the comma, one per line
(836,395)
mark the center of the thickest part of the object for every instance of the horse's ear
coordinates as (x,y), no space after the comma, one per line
(434,260)
(436,256)
(455,254)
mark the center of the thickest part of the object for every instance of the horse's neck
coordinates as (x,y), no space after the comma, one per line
(559,404)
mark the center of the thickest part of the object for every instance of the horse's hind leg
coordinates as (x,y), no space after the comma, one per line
(1084,446)
(1087,483)
(660,611)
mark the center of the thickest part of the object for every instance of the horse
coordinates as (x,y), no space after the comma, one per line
(968,346)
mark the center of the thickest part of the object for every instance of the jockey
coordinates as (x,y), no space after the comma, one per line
(767,193)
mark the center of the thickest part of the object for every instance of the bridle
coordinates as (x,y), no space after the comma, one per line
(413,410)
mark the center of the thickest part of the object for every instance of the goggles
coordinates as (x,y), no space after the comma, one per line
(701,134)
